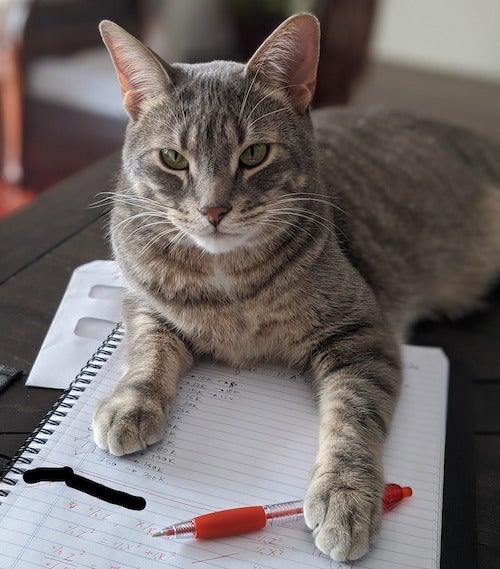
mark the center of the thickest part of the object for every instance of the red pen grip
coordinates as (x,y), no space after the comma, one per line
(230,522)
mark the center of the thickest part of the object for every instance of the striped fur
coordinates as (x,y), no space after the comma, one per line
(348,232)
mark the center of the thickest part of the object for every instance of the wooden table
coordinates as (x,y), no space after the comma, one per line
(42,244)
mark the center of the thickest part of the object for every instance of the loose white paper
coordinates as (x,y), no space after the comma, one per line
(89,310)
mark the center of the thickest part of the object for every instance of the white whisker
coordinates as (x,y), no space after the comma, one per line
(141,201)
(176,91)
(268,95)
(178,239)
(148,226)
(248,91)
(146,214)
(261,100)
(106,200)
(305,214)
(309,196)
(160,237)
(151,218)
(266,115)
(294,224)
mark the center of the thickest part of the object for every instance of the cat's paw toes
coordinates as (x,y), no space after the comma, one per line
(344,520)
(122,425)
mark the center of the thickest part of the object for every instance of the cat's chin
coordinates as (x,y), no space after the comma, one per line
(218,243)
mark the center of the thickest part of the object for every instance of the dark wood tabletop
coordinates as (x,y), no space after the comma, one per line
(41,245)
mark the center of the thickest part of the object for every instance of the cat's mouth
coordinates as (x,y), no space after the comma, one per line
(219,241)
(218,234)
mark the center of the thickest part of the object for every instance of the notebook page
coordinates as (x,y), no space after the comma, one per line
(234,439)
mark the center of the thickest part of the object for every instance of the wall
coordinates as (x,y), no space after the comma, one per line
(456,36)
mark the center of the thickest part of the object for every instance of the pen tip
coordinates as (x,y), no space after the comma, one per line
(169,532)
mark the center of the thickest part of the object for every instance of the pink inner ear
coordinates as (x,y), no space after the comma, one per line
(304,70)
(290,55)
(131,92)
(130,89)
(139,74)
(124,84)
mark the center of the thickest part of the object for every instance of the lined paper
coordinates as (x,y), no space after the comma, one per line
(235,438)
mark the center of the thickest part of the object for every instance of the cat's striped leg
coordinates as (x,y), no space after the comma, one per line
(136,413)
(357,378)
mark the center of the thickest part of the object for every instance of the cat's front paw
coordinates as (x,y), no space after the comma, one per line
(123,425)
(345,519)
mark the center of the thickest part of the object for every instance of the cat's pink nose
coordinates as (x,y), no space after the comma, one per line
(214,214)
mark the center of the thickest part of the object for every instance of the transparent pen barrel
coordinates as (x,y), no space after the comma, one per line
(182,529)
(283,513)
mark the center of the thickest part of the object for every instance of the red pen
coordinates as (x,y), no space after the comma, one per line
(251,518)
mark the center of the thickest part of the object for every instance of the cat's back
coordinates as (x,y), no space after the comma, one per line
(377,136)
(384,165)
(418,203)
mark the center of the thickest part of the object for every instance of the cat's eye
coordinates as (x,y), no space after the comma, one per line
(173,159)
(254,155)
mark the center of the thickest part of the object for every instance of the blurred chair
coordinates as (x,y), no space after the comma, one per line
(13,16)
(51,55)
(346,29)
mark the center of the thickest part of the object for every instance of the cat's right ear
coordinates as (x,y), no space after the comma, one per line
(141,76)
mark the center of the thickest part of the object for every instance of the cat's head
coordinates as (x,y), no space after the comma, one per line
(220,154)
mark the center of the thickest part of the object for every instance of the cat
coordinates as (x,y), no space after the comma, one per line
(250,228)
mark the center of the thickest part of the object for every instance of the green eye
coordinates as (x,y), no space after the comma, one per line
(254,155)
(173,159)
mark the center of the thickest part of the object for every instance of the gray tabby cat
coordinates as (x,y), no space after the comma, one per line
(249,229)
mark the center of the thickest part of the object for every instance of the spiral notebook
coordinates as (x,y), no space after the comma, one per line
(234,438)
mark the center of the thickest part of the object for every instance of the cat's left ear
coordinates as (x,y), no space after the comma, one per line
(289,57)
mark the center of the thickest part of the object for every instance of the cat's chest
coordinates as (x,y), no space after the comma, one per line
(235,322)
(238,332)
(221,280)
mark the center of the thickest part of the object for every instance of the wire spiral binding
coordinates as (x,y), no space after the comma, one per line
(59,409)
